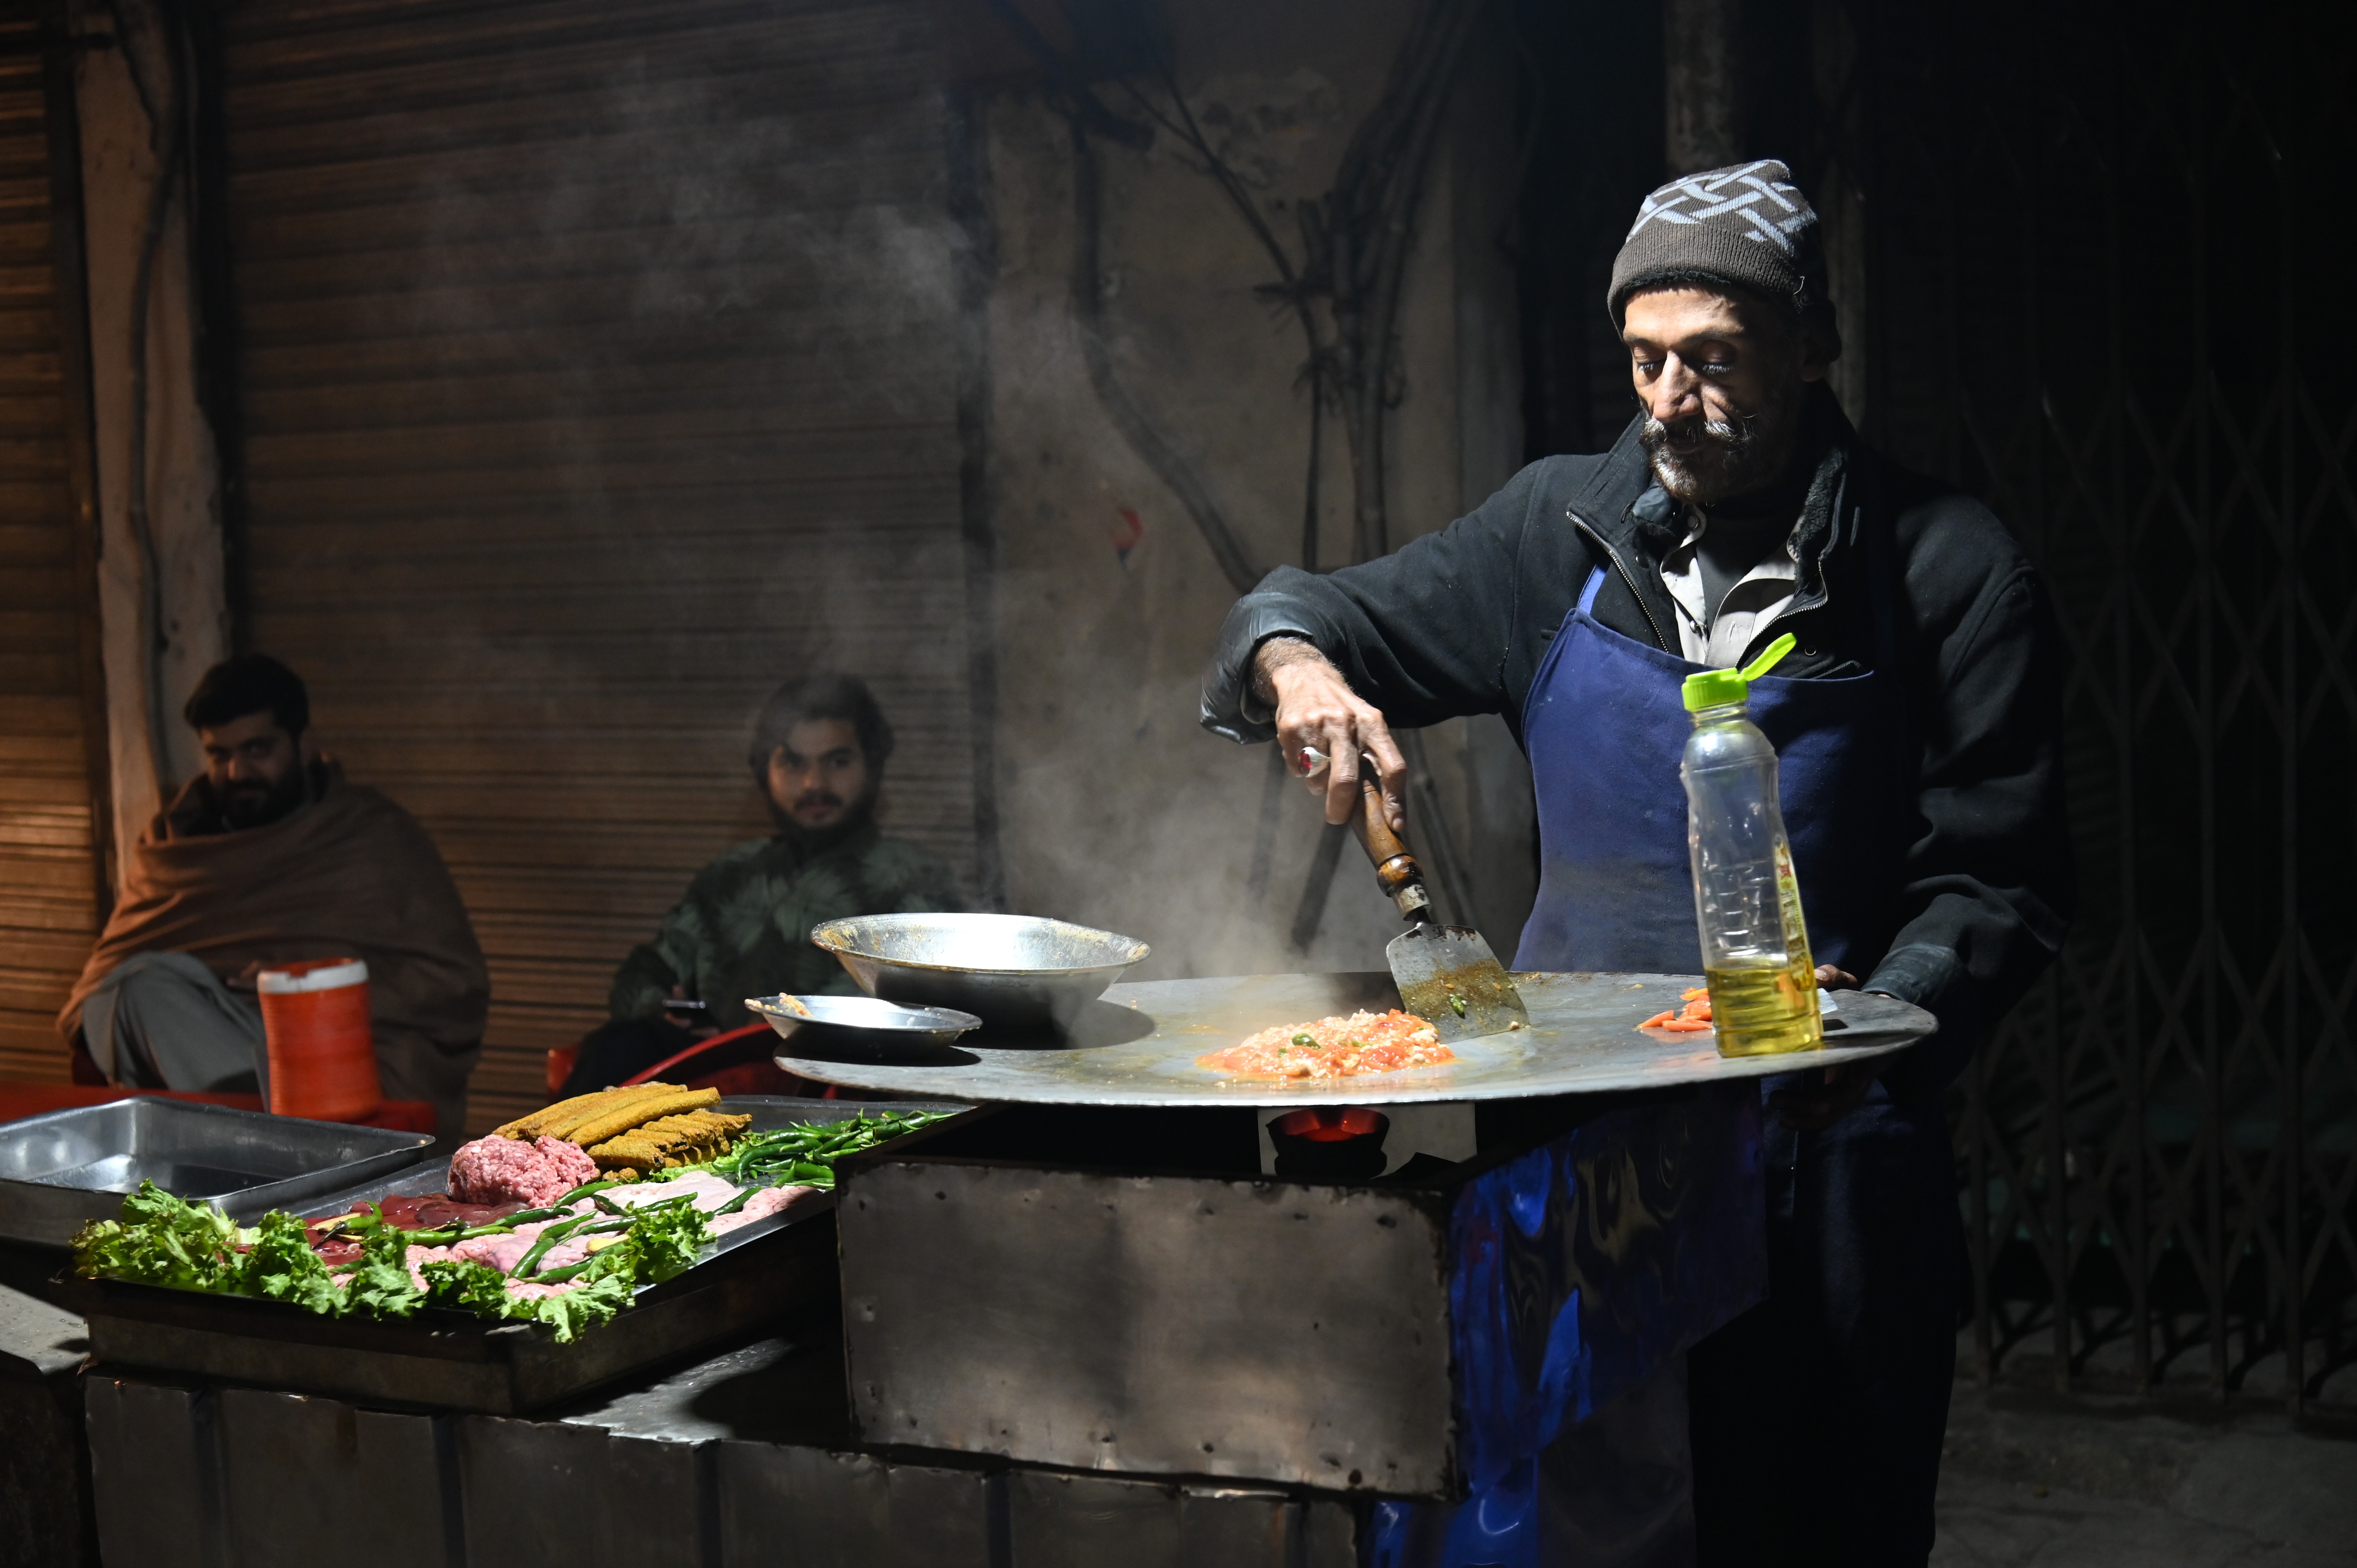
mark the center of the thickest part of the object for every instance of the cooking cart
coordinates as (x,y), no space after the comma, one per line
(1084,1325)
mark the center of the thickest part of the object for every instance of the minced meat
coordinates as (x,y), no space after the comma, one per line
(502,1170)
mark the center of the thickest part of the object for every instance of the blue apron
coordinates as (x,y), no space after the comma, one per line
(1605,727)
(1815,1418)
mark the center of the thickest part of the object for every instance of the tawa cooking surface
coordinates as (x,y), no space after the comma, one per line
(1138,1046)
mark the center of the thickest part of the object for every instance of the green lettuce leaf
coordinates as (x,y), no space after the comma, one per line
(380,1283)
(590,1303)
(466,1286)
(161,1241)
(281,1266)
(663,1243)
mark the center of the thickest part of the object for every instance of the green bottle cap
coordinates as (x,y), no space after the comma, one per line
(1720,688)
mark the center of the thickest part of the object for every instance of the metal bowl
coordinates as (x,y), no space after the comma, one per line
(1011,970)
(882,1029)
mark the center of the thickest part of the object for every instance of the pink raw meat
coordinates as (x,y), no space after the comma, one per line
(507,1170)
(501,1253)
(711,1192)
(760,1206)
(420,1255)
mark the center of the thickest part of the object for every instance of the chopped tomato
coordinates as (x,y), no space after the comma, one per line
(1691,1019)
(1333,1047)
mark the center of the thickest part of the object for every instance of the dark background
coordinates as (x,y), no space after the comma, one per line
(2106,259)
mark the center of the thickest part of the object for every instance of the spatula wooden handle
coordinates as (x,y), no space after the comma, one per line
(1396,872)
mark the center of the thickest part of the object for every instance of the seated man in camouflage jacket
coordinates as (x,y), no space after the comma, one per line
(744,928)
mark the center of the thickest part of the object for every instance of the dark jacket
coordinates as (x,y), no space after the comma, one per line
(1459,621)
(744,928)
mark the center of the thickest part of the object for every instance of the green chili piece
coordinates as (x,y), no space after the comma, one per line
(587,1226)
(542,1243)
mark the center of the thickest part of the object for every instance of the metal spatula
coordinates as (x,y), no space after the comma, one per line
(1446,974)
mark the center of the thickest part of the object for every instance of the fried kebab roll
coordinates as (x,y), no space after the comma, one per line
(597,1128)
(660,1145)
(551,1120)
(625,1109)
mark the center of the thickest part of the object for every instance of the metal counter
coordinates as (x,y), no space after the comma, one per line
(1120,1290)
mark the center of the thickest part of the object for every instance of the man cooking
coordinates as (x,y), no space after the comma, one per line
(1917,727)
(818,755)
(269,857)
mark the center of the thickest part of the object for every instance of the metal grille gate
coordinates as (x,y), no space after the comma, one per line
(2105,274)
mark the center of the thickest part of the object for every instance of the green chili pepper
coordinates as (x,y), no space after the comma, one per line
(542,1242)
(544,1245)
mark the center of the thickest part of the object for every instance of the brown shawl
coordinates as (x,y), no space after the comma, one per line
(349,873)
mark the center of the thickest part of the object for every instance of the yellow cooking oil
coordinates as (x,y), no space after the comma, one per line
(1763,1008)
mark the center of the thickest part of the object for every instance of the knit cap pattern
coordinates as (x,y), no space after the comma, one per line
(1747,224)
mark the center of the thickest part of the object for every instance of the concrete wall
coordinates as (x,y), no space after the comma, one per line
(1118,810)
(150,667)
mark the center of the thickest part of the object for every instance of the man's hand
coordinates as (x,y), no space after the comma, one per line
(696,1023)
(1816,1106)
(1315,707)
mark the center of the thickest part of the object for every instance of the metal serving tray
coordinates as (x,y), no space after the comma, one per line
(451,1360)
(64,1168)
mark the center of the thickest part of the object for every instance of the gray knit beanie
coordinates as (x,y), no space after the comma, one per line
(1747,224)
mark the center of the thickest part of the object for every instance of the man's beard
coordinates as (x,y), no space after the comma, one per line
(1735,458)
(810,840)
(259,805)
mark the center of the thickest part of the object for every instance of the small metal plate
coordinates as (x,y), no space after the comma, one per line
(1137,1046)
(873,1030)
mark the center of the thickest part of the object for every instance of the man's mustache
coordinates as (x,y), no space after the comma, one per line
(817,798)
(1657,434)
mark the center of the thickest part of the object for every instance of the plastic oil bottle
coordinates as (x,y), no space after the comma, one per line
(1755,949)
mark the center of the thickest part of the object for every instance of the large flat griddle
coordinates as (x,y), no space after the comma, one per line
(1138,1044)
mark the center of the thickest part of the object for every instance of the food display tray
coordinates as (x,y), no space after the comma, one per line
(452,1360)
(62,1168)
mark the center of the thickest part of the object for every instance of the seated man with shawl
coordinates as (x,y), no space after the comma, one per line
(268,857)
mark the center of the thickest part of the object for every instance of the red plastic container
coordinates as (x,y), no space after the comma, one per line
(315,1017)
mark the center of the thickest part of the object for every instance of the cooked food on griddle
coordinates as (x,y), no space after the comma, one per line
(1333,1047)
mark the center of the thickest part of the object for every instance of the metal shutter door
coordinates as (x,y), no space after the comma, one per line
(596,370)
(48,877)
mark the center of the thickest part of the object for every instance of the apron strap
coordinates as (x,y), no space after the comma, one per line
(1588,592)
